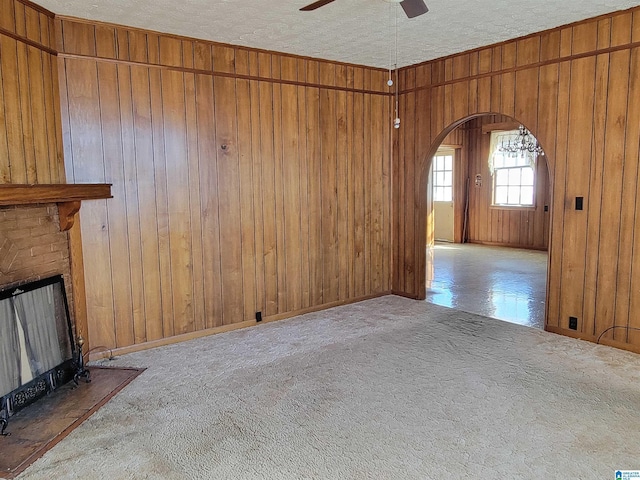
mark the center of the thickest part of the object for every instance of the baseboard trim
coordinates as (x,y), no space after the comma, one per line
(592,338)
(405,295)
(106,353)
(508,245)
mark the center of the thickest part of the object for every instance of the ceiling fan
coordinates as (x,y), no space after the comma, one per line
(412,8)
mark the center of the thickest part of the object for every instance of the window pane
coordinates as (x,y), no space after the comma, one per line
(514,176)
(439,163)
(448,179)
(448,162)
(437,194)
(447,197)
(526,195)
(513,196)
(502,177)
(501,195)
(440,179)
(527,176)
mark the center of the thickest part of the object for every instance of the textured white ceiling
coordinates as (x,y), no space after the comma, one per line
(353,31)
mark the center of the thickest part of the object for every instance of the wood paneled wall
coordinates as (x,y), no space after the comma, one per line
(513,227)
(243,181)
(576,89)
(30,142)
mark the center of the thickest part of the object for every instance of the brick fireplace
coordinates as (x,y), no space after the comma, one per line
(37,239)
(32,247)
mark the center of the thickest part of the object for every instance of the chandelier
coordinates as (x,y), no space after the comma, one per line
(523,142)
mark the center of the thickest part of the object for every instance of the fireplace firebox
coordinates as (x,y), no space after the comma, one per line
(38,353)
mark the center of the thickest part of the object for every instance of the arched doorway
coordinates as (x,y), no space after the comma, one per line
(498,264)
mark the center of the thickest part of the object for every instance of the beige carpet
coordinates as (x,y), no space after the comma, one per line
(385,389)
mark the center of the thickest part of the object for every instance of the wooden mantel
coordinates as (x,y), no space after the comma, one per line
(67,196)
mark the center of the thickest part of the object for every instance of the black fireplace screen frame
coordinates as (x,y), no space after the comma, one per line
(48,381)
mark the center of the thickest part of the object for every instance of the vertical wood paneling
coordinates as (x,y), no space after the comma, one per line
(366,178)
(409,192)
(342,180)
(15,164)
(195,207)
(632,149)
(583,111)
(245,171)
(210,209)
(314,150)
(350,258)
(112,148)
(268,199)
(5,165)
(358,188)
(147,209)
(303,185)
(178,209)
(580,122)
(610,209)
(295,199)
(558,200)
(291,193)
(229,198)
(26,113)
(278,152)
(377,196)
(328,130)
(161,199)
(595,189)
(234,195)
(132,203)
(257,191)
(86,129)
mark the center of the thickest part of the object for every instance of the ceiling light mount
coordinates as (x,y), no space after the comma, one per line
(412,8)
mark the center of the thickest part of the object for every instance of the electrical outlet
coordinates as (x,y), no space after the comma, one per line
(573,323)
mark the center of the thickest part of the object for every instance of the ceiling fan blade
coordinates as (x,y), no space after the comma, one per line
(414,8)
(314,5)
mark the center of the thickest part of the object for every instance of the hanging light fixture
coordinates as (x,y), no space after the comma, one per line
(393,52)
(523,142)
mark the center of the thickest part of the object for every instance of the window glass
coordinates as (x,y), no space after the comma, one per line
(442,175)
(513,186)
(513,172)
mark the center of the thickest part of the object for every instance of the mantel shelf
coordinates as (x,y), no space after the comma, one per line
(67,196)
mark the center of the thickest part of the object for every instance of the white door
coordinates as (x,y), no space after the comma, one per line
(442,175)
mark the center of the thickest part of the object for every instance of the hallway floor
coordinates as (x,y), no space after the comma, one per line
(504,283)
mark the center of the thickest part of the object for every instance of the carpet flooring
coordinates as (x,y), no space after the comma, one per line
(388,388)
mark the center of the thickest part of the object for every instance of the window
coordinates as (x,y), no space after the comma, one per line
(513,186)
(442,174)
(513,173)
